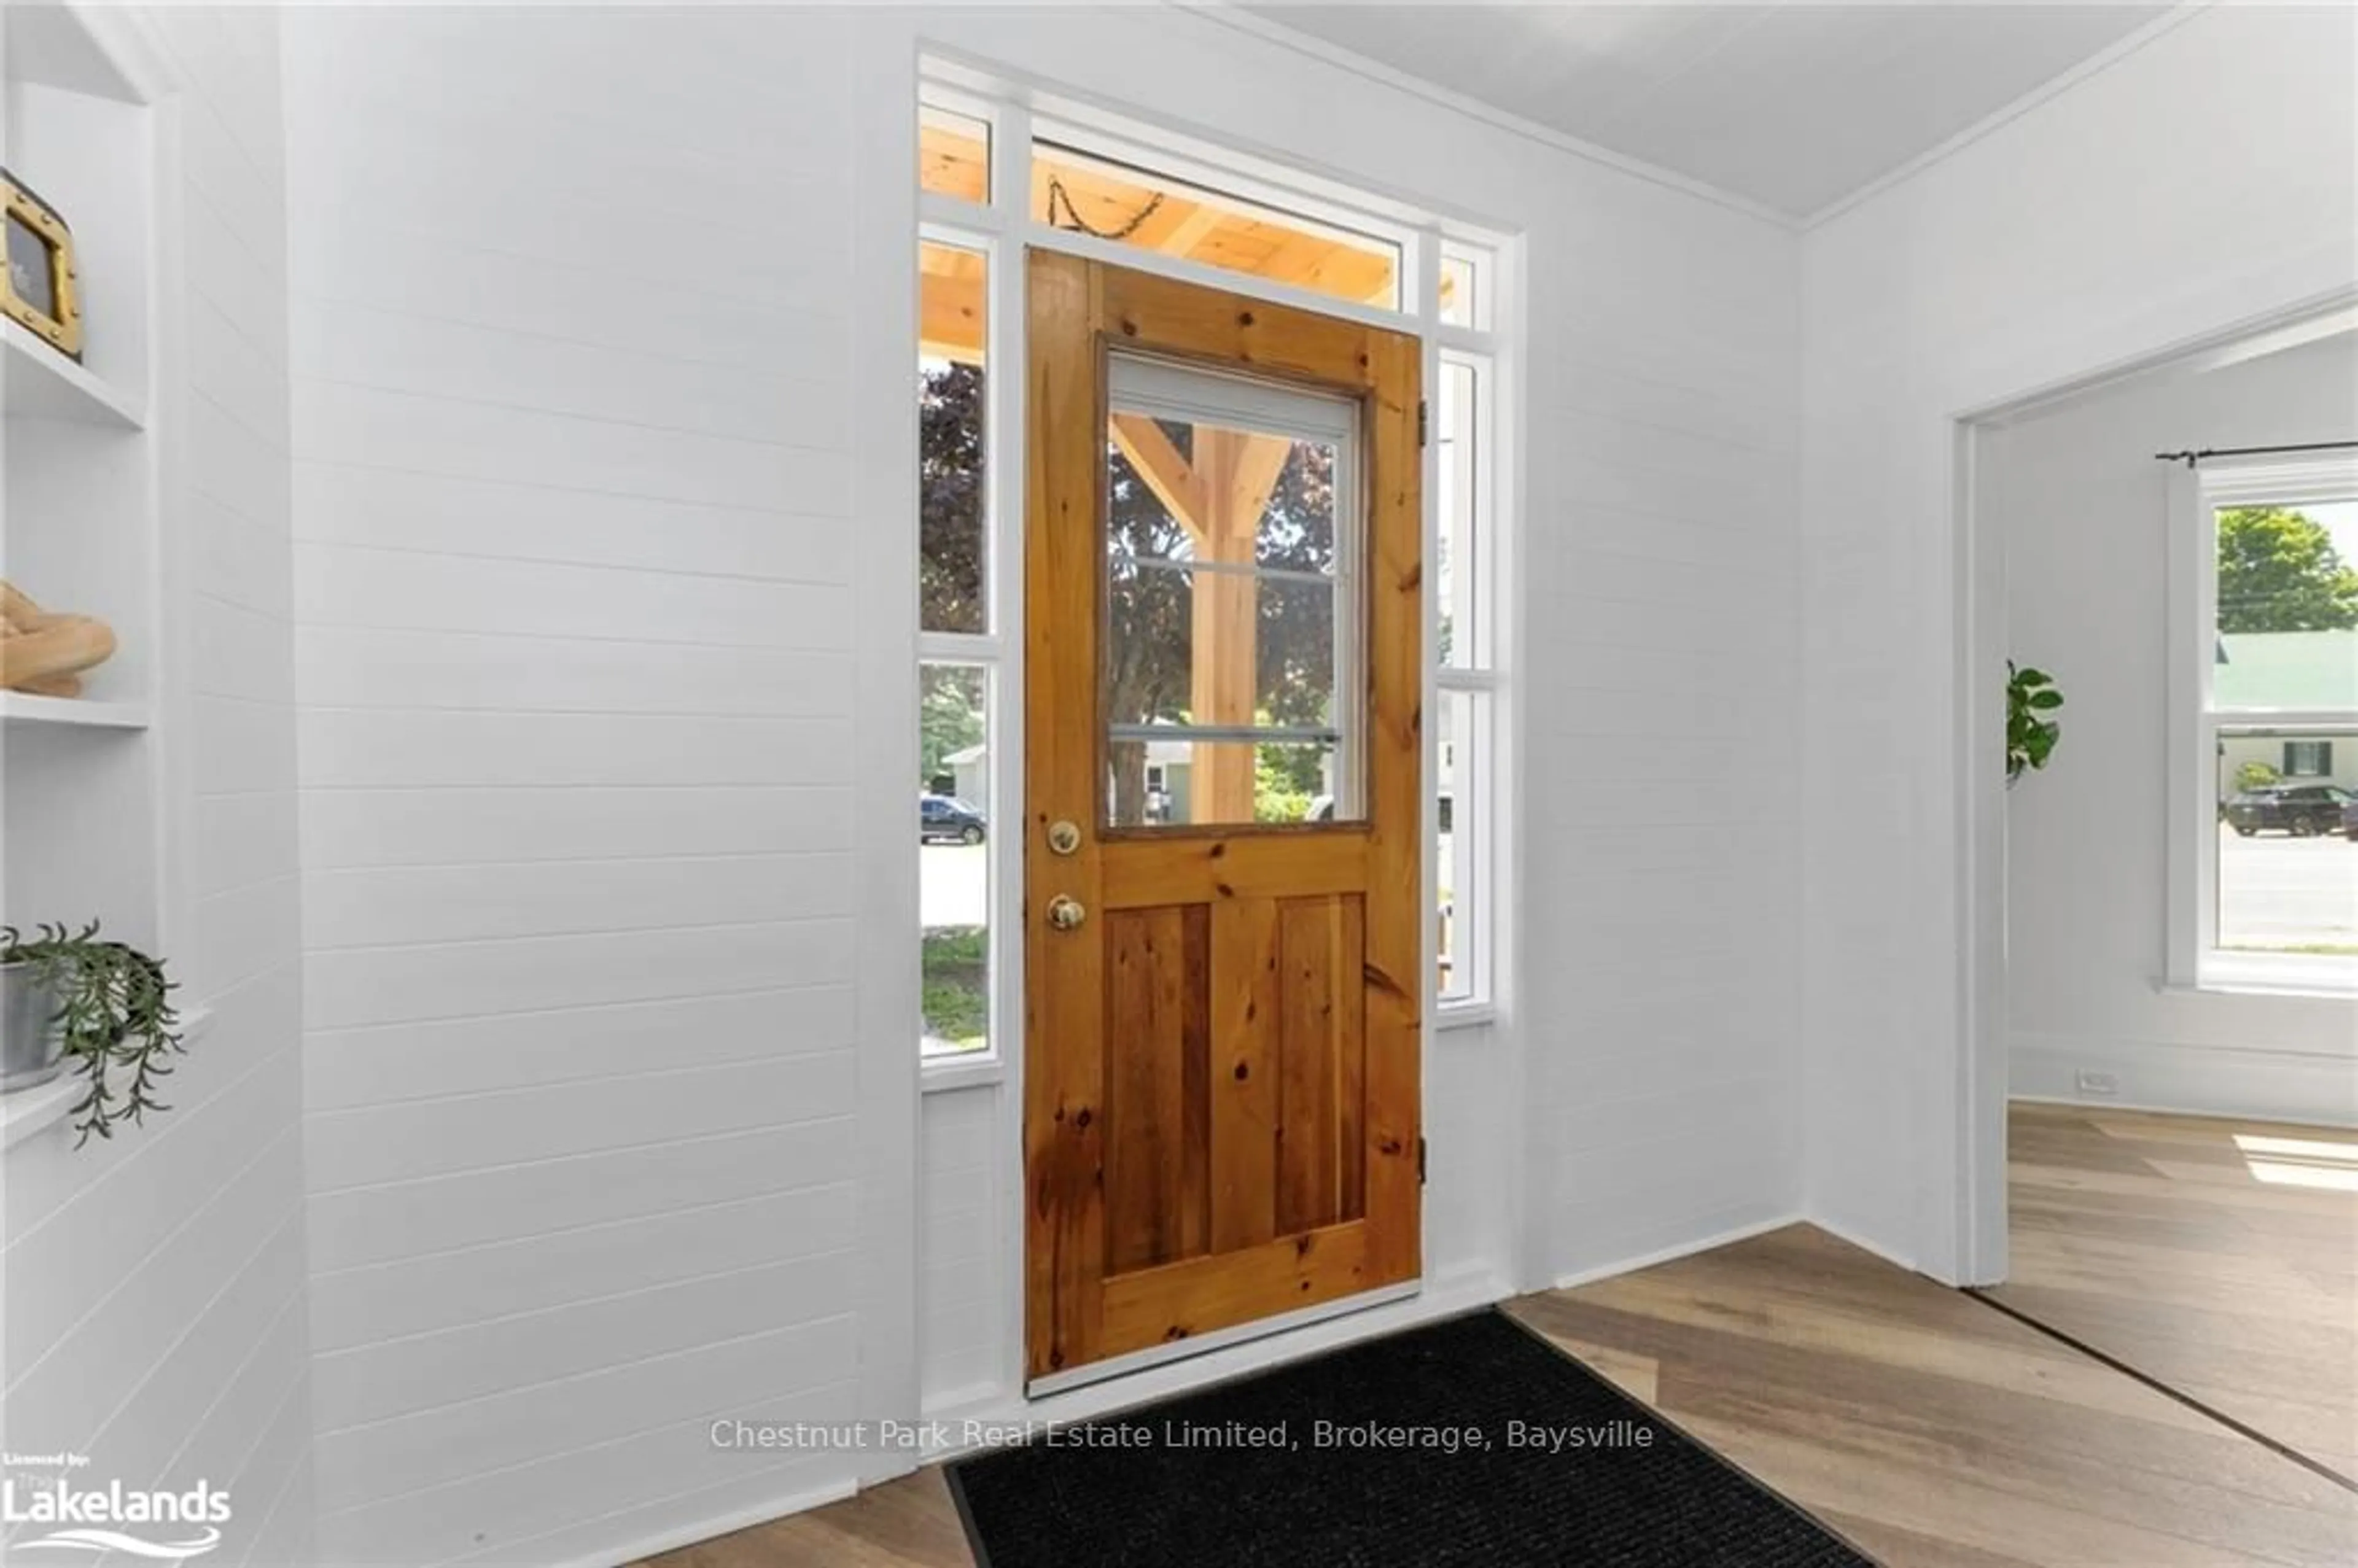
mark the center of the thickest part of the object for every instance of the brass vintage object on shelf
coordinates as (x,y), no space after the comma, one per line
(40,289)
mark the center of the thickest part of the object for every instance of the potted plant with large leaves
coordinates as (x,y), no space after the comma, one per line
(73,999)
(2031,730)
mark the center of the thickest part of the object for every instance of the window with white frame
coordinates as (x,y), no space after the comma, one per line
(1465,672)
(2266,688)
(995,177)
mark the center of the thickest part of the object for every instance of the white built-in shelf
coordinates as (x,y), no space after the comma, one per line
(84,478)
(27,1111)
(23,707)
(42,384)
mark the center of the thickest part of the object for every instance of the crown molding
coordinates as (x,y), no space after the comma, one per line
(1226,14)
(2055,86)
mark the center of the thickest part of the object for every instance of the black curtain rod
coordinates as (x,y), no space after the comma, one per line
(2190,459)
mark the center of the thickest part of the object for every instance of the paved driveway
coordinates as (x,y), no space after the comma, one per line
(2275,891)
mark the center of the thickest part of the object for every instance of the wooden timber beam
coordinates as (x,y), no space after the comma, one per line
(1193,230)
(1313,262)
(1155,460)
(1218,498)
(1240,475)
(951,311)
(953,162)
(1236,471)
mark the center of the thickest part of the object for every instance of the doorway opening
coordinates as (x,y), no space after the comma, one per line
(2168,1062)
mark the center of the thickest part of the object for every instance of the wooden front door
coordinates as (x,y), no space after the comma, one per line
(1223,677)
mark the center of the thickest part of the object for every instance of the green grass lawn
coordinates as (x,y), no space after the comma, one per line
(957,986)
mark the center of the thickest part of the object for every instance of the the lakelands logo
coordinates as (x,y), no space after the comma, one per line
(171,1527)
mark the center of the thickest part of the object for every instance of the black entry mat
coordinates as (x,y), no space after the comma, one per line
(1434,1453)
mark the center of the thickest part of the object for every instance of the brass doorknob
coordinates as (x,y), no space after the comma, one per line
(1066,913)
(1063,838)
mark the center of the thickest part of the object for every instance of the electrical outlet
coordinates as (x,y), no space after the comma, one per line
(2094,1083)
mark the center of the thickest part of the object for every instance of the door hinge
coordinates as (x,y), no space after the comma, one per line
(1420,1149)
(1424,423)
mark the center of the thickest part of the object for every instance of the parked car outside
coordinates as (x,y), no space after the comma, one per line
(946,819)
(2301,810)
(2349,818)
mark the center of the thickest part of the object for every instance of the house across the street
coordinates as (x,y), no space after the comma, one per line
(2291,672)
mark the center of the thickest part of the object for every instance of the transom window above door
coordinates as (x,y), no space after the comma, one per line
(1111,200)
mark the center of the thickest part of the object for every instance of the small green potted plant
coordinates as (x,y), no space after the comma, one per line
(2031,732)
(103,1006)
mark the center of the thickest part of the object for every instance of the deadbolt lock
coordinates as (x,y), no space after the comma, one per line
(1063,838)
(1066,913)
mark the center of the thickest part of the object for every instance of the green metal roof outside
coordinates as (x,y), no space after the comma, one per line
(2286,669)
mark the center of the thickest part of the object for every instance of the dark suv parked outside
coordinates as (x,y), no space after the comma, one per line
(944,818)
(2301,810)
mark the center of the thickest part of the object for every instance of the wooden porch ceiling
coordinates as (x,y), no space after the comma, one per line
(1164,217)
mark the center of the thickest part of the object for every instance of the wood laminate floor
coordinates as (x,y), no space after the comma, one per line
(1932,1429)
(2218,1256)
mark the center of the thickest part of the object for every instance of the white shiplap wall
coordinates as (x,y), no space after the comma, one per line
(1662,796)
(573,328)
(155,1313)
(577,653)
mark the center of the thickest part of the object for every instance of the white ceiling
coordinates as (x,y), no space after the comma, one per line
(1792,106)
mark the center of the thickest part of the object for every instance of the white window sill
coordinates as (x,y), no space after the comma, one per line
(941,1074)
(2314,975)
(26,1111)
(1464,1014)
(2305,992)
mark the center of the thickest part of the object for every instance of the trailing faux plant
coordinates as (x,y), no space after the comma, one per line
(2030,735)
(114,1011)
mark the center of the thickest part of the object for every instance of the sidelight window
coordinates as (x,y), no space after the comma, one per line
(956,797)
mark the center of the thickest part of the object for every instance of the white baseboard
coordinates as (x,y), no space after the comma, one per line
(2111,1102)
(671,1540)
(960,1403)
(1843,1233)
(2258,1085)
(1681,1249)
